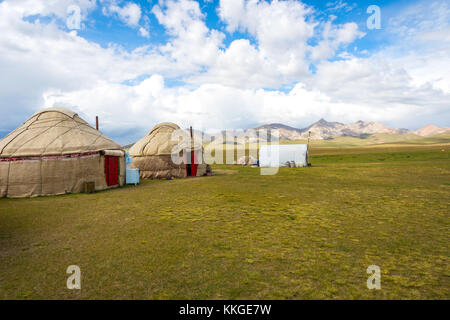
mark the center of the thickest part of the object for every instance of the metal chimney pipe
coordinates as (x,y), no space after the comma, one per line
(96,122)
(192,139)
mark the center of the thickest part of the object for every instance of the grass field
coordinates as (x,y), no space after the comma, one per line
(346,144)
(305,233)
(378,140)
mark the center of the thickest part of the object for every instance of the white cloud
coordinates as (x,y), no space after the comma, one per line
(233,13)
(340,5)
(208,106)
(212,106)
(130,13)
(423,21)
(421,37)
(192,44)
(281,29)
(37,57)
(333,37)
(144,32)
(42,65)
(56,8)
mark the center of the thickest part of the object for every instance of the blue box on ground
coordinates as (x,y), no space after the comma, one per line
(131,175)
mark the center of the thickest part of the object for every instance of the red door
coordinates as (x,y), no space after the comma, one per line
(112,170)
(193,164)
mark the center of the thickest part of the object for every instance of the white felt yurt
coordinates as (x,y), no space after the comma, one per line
(153,154)
(56,152)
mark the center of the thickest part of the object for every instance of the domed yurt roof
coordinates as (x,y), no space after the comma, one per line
(54,131)
(159,142)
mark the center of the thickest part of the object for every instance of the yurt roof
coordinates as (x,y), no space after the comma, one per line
(54,131)
(159,142)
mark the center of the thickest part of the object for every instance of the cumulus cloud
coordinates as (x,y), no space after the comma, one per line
(423,21)
(421,43)
(334,36)
(36,57)
(144,32)
(340,5)
(57,8)
(192,44)
(130,13)
(216,106)
(237,85)
(281,29)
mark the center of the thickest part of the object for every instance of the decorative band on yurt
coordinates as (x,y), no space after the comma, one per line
(54,157)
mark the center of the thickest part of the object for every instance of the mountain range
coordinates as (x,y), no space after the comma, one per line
(323,129)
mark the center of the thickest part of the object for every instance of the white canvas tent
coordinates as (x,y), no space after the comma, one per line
(283,155)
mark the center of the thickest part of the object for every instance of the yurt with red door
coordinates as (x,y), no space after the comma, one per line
(57,152)
(152,155)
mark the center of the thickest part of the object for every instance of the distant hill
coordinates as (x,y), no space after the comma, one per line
(128,146)
(277,126)
(360,132)
(431,130)
(286,132)
(323,129)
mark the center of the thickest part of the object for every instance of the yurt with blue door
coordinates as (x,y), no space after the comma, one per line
(152,155)
(57,152)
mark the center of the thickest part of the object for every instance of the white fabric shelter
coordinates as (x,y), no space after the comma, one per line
(57,152)
(282,155)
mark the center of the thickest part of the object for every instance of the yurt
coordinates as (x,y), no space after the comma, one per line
(56,152)
(152,155)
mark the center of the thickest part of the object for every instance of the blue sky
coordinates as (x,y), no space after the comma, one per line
(106,30)
(226,64)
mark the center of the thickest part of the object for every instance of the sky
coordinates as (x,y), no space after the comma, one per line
(225,64)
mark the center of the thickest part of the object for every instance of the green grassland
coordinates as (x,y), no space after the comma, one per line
(379,140)
(305,233)
(348,144)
